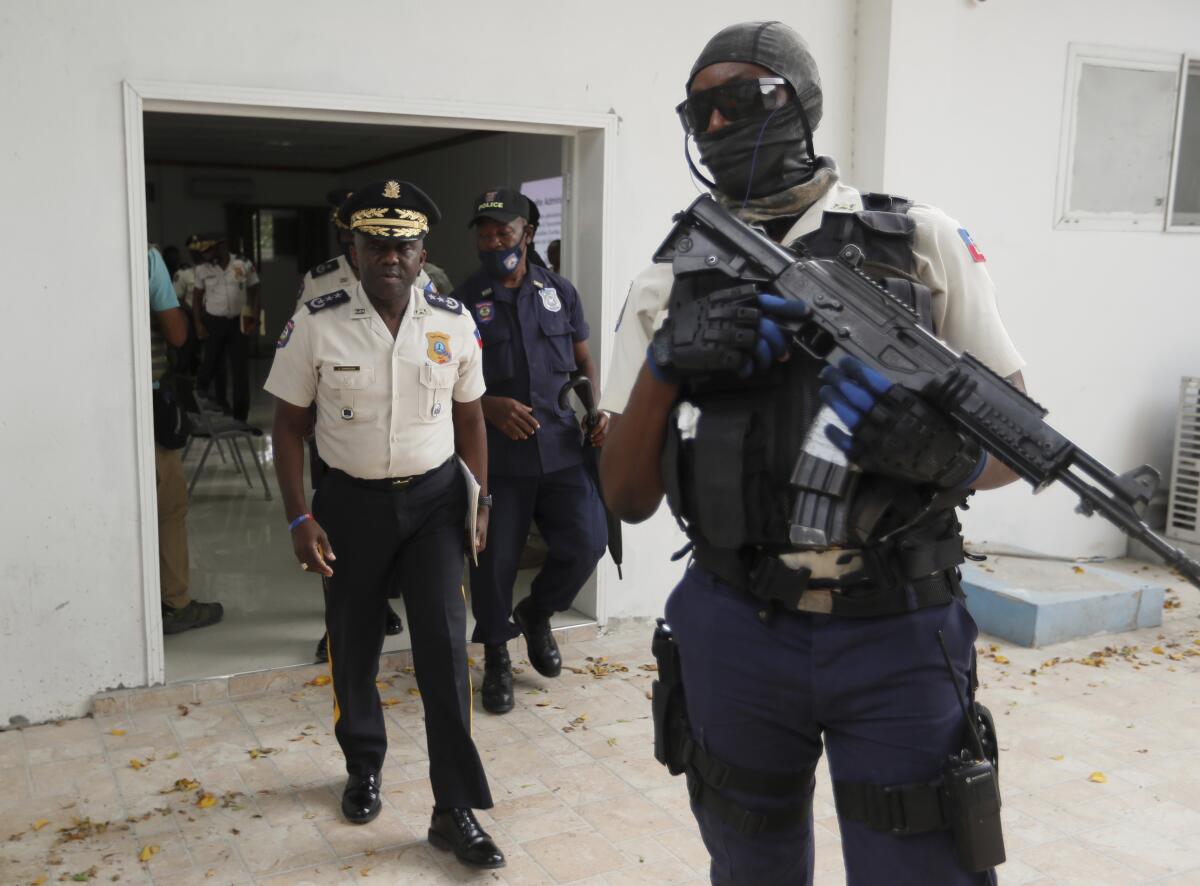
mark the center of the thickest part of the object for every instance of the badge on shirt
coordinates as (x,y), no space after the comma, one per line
(971,247)
(438,347)
(485,311)
(550,299)
(286,335)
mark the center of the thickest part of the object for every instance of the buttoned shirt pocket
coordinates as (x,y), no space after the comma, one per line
(556,331)
(351,386)
(497,351)
(436,391)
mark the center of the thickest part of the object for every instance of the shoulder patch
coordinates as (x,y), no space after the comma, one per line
(338,297)
(445,302)
(325,267)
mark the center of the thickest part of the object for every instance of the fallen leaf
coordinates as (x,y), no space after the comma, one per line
(319,680)
(992,647)
(147,853)
(1098,778)
(612,742)
(1078,570)
(116,732)
(387,703)
(1057,757)
(648,667)
(84,876)
(40,880)
(414,691)
(182,784)
(1158,650)
(470,662)
(206,801)
(255,753)
(136,764)
(1000,659)
(40,823)
(184,710)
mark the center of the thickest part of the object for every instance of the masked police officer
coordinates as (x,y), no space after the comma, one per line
(396,378)
(783,649)
(534,339)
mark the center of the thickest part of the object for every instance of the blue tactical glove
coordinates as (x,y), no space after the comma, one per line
(895,432)
(724,331)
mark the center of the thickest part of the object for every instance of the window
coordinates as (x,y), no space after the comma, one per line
(1131,142)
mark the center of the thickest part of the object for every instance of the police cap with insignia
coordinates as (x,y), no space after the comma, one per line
(203,242)
(500,204)
(390,209)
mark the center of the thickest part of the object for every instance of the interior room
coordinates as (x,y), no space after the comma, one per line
(263,182)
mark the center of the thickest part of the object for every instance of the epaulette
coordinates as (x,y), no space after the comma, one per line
(325,267)
(445,302)
(327,300)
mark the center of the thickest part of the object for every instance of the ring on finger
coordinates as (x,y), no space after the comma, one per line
(304,566)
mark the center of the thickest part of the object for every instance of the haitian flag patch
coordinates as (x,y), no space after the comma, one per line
(478,338)
(971,247)
(286,335)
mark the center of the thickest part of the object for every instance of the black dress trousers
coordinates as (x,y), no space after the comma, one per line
(411,536)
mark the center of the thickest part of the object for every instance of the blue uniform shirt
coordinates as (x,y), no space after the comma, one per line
(528,354)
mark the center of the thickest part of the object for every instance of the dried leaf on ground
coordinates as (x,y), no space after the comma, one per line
(147,853)
(1098,778)
(1078,570)
(414,691)
(136,764)
(648,667)
(1000,659)
(40,823)
(206,801)
(319,680)
(116,732)
(182,784)
(255,753)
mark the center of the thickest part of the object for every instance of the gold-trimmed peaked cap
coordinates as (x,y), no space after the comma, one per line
(390,209)
(335,199)
(203,242)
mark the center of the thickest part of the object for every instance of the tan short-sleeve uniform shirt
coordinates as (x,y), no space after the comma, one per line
(383,406)
(225,288)
(965,315)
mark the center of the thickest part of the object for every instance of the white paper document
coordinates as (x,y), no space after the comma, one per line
(472,506)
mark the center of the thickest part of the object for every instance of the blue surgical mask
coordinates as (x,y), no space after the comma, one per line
(500,263)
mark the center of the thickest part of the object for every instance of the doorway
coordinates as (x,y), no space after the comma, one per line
(257,166)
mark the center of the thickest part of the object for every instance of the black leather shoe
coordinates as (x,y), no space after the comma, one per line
(360,800)
(497,680)
(539,639)
(322,653)
(458,831)
(393,622)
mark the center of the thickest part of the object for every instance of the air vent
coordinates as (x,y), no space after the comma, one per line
(1183,523)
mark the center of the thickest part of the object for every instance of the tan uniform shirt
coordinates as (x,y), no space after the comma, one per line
(225,289)
(330,276)
(964,308)
(184,282)
(383,405)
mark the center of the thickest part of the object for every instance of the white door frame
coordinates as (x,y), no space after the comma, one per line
(592,270)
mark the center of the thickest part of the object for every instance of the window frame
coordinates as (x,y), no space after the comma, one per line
(1127,59)
(1185,72)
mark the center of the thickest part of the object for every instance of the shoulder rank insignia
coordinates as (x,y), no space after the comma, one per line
(445,302)
(338,297)
(325,267)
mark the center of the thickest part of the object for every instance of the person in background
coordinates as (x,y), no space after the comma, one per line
(169,329)
(227,287)
(554,255)
(534,339)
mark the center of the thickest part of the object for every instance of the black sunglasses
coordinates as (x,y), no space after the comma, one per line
(736,101)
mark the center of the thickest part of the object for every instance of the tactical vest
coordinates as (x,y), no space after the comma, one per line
(730,456)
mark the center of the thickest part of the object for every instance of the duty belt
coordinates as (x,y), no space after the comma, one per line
(893,578)
(390,483)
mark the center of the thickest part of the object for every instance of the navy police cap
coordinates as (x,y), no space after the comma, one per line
(500,204)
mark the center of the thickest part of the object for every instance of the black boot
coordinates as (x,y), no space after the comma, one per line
(360,800)
(539,639)
(497,680)
(394,624)
(322,654)
(458,831)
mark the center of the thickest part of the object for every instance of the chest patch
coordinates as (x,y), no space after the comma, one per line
(445,302)
(550,300)
(338,297)
(437,347)
(325,267)
(485,311)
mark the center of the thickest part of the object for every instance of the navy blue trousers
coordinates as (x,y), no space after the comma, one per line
(768,695)
(570,516)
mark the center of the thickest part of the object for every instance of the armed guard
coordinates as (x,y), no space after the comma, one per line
(819,503)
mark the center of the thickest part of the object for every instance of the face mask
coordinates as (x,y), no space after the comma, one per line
(759,156)
(500,263)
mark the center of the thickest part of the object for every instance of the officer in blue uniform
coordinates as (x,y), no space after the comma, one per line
(534,339)
(781,650)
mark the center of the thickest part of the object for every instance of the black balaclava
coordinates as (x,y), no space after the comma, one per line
(771,152)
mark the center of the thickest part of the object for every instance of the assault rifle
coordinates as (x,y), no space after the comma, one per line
(853,315)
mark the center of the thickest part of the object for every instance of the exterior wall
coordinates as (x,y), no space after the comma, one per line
(72,620)
(1105,320)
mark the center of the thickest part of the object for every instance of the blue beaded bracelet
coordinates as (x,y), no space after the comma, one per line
(292,526)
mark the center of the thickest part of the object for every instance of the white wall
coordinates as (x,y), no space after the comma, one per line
(71,623)
(1105,320)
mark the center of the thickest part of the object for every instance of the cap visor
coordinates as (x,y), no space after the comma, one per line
(495,215)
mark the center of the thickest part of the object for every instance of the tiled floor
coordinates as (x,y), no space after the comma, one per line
(1101,777)
(241,556)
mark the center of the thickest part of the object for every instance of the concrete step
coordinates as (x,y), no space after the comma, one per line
(1033,602)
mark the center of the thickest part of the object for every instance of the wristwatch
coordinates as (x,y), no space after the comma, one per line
(485,501)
